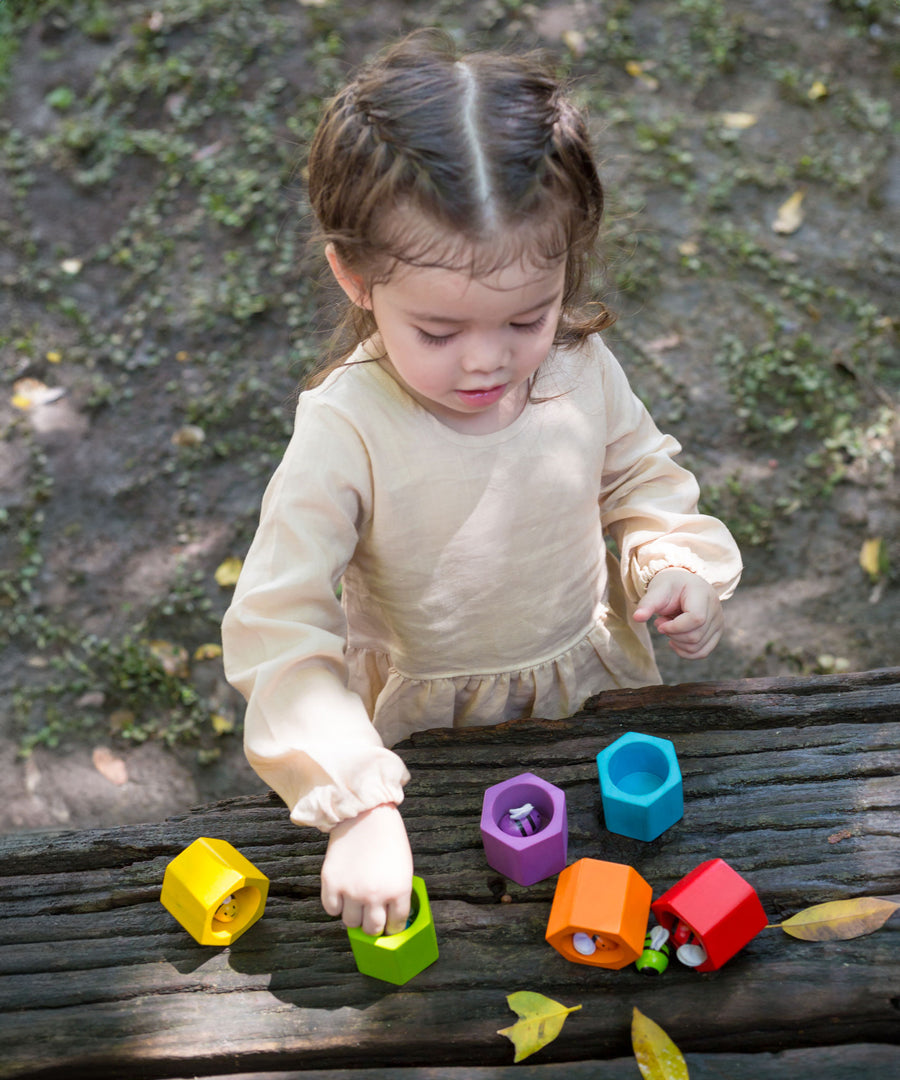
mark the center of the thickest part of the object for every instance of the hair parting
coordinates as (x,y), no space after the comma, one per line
(468,162)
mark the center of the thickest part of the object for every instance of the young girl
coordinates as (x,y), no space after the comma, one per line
(458,473)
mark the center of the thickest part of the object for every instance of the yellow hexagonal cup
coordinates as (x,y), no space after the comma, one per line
(213,891)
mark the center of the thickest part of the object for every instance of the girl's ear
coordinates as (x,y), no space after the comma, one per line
(351,282)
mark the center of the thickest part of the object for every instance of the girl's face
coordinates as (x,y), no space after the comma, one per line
(465,348)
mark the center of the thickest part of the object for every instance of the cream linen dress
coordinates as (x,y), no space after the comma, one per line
(476,584)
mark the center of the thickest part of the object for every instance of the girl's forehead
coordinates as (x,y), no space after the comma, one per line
(514,279)
(507,253)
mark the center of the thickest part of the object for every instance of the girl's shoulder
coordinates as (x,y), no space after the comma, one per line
(586,371)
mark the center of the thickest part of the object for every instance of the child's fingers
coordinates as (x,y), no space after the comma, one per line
(397,915)
(373,919)
(332,899)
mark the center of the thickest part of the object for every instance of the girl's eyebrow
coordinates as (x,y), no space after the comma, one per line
(423,316)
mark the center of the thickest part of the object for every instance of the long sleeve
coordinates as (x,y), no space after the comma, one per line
(648,503)
(284,636)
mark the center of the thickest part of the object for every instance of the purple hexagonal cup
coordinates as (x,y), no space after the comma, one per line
(525,859)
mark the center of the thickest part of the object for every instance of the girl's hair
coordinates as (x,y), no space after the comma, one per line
(483,151)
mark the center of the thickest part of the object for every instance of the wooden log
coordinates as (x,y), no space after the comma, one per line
(793,782)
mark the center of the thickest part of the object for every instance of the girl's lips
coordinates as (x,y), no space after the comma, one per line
(483,397)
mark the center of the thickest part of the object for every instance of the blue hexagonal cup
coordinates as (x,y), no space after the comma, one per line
(640,785)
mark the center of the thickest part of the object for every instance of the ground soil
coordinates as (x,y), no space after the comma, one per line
(155,286)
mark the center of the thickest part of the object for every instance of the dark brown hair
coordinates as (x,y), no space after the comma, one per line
(485,149)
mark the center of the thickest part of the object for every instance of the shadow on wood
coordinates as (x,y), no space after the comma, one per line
(793,781)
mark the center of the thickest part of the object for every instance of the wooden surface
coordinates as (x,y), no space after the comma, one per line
(793,782)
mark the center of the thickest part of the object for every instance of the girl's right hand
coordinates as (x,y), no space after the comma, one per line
(367,873)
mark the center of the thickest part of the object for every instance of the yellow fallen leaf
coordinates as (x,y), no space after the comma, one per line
(210,651)
(109,766)
(870,557)
(29,392)
(574,42)
(739,121)
(638,71)
(790,214)
(817,90)
(221,724)
(839,920)
(54,357)
(541,1021)
(657,1056)
(228,571)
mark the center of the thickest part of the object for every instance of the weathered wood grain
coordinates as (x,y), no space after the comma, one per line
(793,782)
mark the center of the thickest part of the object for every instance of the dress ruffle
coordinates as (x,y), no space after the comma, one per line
(610,655)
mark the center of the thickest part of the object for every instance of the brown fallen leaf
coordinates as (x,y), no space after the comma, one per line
(172,658)
(189,435)
(109,766)
(839,920)
(836,838)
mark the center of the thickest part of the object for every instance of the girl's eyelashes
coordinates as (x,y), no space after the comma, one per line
(530,327)
(434,339)
(442,339)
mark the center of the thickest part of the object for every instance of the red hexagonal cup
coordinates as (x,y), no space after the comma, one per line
(718,906)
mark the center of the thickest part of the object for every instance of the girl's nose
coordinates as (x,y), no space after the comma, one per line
(482,356)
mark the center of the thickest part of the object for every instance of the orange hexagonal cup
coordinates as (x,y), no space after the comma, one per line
(599,914)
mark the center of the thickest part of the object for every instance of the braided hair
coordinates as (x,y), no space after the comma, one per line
(484,151)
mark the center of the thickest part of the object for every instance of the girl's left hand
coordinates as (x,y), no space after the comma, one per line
(687,611)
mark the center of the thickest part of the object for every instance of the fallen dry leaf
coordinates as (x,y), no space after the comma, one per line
(221,725)
(790,214)
(574,42)
(639,71)
(29,392)
(120,720)
(657,1056)
(839,920)
(870,557)
(817,90)
(209,651)
(836,838)
(660,344)
(541,1021)
(172,658)
(109,766)
(189,435)
(738,121)
(228,571)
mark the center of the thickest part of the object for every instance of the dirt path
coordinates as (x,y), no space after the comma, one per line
(157,310)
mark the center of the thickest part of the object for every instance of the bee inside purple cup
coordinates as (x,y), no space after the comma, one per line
(522,820)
